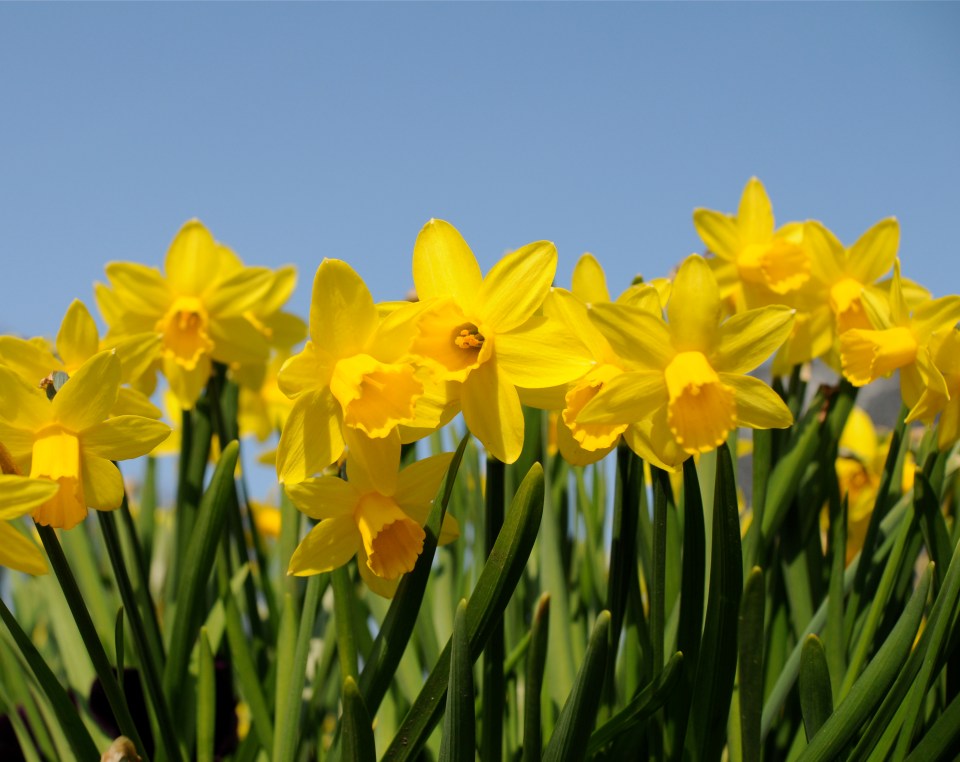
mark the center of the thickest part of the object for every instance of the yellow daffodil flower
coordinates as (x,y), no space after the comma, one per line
(755,264)
(483,334)
(18,496)
(198,308)
(942,400)
(690,389)
(70,440)
(342,380)
(378,520)
(77,341)
(899,340)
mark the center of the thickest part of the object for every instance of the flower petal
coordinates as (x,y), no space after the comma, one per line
(627,398)
(694,309)
(138,288)
(102,483)
(24,405)
(193,261)
(758,406)
(86,398)
(652,440)
(28,358)
(324,497)
(311,438)
(124,437)
(187,383)
(444,266)
(78,338)
(330,545)
(372,464)
(747,339)
(874,253)
(242,291)
(491,408)
(634,334)
(304,371)
(385,588)
(418,483)
(342,315)
(718,231)
(541,353)
(20,553)
(236,340)
(828,258)
(20,495)
(515,287)
(589,282)
(755,214)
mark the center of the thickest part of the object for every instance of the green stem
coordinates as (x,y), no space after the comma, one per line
(494,690)
(343,599)
(89,634)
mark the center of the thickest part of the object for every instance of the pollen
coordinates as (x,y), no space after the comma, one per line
(467,339)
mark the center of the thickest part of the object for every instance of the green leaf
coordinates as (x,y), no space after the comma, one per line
(197,566)
(498,579)
(941,737)
(459,723)
(717,667)
(533,686)
(357,743)
(206,700)
(870,688)
(816,694)
(751,664)
(571,736)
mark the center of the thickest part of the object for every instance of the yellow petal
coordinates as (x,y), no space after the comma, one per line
(444,266)
(418,483)
(867,355)
(20,495)
(372,464)
(385,588)
(634,334)
(948,430)
(324,497)
(568,310)
(306,370)
(78,338)
(491,408)
(542,353)
(718,232)
(591,437)
(392,540)
(694,309)
(516,286)
(193,261)
(185,330)
(236,340)
(747,339)
(755,214)
(27,358)
(701,411)
(102,483)
(589,283)
(187,383)
(653,441)
(936,315)
(828,258)
(874,253)
(18,552)
(137,353)
(758,406)
(131,402)
(311,438)
(375,397)
(627,398)
(446,340)
(24,405)
(138,288)
(88,395)
(573,452)
(329,545)
(245,290)
(124,437)
(812,336)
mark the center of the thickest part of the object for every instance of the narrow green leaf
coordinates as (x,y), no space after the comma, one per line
(250,682)
(381,662)
(751,635)
(196,569)
(942,736)
(286,648)
(357,743)
(870,688)
(60,702)
(459,724)
(496,584)
(118,644)
(717,667)
(533,686)
(641,708)
(816,694)
(206,700)
(571,736)
(935,534)
(493,688)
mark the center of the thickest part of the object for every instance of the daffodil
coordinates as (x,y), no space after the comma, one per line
(341,381)
(77,341)
(689,389)
(899,340)
(942,399)
(199,308)
(483,334)
(379,520)
(18,496)
(70,440)
(755,264)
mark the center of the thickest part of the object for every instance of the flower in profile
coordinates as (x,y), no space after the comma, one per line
(342,379)
(483,334)
(688,389)
(755,263)
(942,400)
(198,308)
(69,439)
(18,496)
(898,340)
(380,521)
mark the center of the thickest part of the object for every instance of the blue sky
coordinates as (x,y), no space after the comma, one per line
(299,131)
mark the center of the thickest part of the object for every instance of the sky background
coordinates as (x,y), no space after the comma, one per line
(303,131)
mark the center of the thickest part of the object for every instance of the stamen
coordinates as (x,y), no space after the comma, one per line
(469,339)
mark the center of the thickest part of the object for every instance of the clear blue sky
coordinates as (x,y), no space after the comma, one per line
(299,131)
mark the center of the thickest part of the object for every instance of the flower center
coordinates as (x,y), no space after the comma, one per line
(846,305)
(393,541)
(469,337)
(56,456)
(184,329)
(591,436)
(701,410)
(375,397)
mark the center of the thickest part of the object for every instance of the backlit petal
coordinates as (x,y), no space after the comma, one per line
(694,309)
(874,253)
(718,232)
(187,383)
(491,408)
(242,291)
(304,371)
(755,214)
(758,406)
(138,289)
(342,315)
(542,353)
(372,464)
(589,283)
(20,553)
(444,266)
(324,497)
(311,438)
(20,495)
(329,545)
(24,405)
(627,398)
(236,340)
(418,483)
(634,334)
(86,398)
(828,258)
(653,441)
(385,588)
(102,483)
(936,315)
(78,339)
(28,358)
(124,437)
(193,262)
(515,287)
(747,339)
